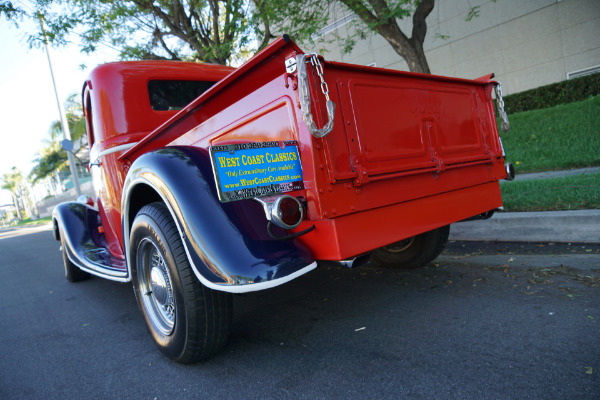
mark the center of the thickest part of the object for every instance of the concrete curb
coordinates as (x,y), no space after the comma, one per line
(545,226)
(557,174)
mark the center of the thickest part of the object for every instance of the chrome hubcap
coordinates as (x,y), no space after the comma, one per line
(155,286)
(159,285)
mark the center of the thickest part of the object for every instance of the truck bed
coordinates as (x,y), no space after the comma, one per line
(408,152)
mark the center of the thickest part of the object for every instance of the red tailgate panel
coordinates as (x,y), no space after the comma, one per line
(408,125)
(390,135)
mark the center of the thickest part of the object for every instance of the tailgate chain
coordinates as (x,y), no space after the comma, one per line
(301,61)
(504,124)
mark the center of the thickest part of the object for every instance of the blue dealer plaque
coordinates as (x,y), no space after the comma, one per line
(248,170)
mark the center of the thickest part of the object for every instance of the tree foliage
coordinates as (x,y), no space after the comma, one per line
(52,157)
(384,17)
(223,31)
(216,31)
(9,10)
(13,181)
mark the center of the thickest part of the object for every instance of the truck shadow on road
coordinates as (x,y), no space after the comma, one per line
(334,302)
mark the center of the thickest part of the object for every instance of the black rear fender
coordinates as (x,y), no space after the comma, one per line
(227,244)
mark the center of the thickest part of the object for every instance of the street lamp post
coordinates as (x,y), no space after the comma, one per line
(61,111)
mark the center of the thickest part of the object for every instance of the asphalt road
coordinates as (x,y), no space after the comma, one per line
(486,321)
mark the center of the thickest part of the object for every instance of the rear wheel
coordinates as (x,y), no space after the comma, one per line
(414,252)
(188,321)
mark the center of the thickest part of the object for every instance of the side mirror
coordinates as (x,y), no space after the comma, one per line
(66,144)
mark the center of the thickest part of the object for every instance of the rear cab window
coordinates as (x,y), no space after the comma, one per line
(169,95)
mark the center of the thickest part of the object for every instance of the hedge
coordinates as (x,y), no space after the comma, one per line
(567,91)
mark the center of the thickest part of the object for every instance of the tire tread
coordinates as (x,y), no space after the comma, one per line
(426,248)
(208,312)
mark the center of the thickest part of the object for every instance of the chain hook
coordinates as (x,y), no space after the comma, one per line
(504,124)
(301,61)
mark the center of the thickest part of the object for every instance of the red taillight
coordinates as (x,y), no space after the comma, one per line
(290,211)
(86,200)
(287,212)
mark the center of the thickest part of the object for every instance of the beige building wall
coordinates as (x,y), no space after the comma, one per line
(526,43)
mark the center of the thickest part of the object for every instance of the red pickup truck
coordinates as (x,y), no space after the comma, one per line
(212,180)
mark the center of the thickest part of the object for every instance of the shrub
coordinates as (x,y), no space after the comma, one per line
(567,91)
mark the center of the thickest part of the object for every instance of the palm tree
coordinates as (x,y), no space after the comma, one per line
(13,182)
(52,157)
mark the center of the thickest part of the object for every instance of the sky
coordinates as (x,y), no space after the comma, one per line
(27,102)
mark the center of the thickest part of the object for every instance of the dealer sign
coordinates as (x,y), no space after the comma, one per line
(248,170)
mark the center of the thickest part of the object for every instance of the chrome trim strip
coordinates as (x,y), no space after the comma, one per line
(99,270)
(116,149)
(253,287)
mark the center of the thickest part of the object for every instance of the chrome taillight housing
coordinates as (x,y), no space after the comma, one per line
(284,211)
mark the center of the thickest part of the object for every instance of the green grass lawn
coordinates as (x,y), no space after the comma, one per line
(568,193)
(561,137)
(29,221)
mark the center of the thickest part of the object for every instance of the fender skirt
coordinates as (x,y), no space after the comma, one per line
(227,244)
(77,225)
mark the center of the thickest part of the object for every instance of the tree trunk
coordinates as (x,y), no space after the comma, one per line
(16,205)
(418,62)
(412,52)
(410,49)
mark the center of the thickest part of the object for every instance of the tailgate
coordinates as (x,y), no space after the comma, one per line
(397,124)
